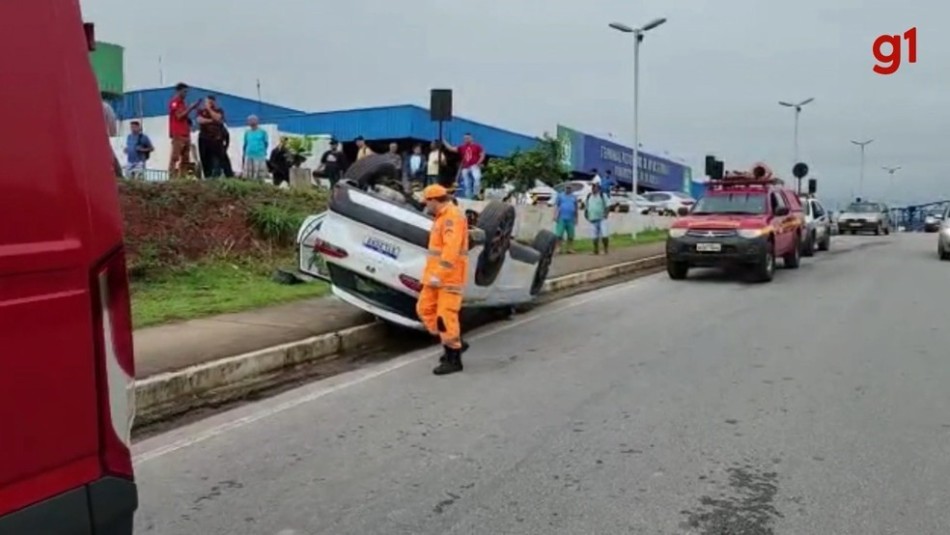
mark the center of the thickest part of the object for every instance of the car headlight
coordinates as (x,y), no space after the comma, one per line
(751,232)
(677,232)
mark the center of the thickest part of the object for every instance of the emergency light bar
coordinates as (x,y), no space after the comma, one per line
(760,175)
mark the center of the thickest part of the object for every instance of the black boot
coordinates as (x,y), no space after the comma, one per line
(445,354)
(451,364)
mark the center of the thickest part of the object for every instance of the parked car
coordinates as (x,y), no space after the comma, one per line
(67,371)
(542,194)
(670,201)
(744,220)
(817,235)
(372,243)
(865,216)
(933,221)
(943,238)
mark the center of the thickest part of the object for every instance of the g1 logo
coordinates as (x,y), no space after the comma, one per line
(887,51)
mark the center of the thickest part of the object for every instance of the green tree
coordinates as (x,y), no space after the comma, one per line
(542,162)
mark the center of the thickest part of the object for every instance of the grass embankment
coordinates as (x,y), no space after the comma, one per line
(618,241)
(203,248)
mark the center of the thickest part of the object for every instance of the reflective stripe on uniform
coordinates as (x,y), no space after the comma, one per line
(453,289)
(433,252)
(446,265)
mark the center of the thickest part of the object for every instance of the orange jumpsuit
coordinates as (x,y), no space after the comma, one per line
(445,275)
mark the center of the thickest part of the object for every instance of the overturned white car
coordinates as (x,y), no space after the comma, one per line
(371,245)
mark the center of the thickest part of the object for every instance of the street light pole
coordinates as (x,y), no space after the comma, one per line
(862,144)
(891,171)
(798,110)
(637,38)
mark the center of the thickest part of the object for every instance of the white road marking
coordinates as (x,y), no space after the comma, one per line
(357,377)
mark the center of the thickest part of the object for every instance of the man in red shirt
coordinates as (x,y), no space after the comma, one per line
(179,130)
(470,169)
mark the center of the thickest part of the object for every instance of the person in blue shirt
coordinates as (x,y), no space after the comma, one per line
(138,147)
(565,219)
(607,184)
(255,150)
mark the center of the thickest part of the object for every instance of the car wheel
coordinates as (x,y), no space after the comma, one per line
(877,230)
(372,170)
(942,253)
(497,220)
(825,243)
(808,248)
(793,259)
(764,271)
(887,231)
(545,242)
(677,270)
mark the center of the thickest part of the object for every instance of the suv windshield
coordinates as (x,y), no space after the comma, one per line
(863,207)
(731,203)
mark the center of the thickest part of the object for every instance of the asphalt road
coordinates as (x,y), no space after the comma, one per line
(816,404)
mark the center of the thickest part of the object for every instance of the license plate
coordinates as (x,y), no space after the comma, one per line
(382,247)
(709,247)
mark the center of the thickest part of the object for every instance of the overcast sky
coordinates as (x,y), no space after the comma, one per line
(710,78)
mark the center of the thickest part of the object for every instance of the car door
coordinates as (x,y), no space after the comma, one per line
(783,232)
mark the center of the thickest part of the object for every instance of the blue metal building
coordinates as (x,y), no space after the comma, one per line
(379,123)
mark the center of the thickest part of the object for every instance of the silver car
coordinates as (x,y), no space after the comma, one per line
(817,225)
(865,216)
(943,236)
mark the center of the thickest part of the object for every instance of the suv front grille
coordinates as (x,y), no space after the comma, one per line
(711,233)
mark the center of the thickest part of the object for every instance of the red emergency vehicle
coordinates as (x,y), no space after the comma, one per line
(66,363)
(747,219)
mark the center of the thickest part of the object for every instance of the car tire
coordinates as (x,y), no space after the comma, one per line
(545,243)
(497,220)
(793,259)
(372,170)
(825,243)
(887,231)
(764,270)
(677,270)
(877,230)
(943,254)
(808,248)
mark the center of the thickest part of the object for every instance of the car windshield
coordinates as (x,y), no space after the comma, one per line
(863,207)
(731,203)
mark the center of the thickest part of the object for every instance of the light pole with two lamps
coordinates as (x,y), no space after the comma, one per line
(638,37)
(891,171)
(798,109)
(862,144)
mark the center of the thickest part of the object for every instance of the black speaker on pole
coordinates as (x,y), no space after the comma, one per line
(812,186)
(440,105)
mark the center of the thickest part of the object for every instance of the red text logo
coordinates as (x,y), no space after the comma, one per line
(887,51)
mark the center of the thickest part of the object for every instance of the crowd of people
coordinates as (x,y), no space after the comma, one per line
(456,167)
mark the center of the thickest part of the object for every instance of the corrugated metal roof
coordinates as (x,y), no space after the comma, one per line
(154,102)
(406,121)
(386,122)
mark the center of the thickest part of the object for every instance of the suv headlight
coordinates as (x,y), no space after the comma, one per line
(677,232)
(751,232)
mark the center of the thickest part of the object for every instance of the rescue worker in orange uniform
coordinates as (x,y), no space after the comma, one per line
(444,277)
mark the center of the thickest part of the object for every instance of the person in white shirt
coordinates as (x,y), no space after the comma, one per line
(596,180)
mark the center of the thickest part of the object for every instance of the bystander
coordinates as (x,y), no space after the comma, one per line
(333,163)
(470,168)
(254,161)
(212,143)
(565,219)
(138,148)
(179,131)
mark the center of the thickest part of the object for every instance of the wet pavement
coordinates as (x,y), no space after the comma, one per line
(816,404)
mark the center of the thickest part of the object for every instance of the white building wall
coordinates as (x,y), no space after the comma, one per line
(157,130)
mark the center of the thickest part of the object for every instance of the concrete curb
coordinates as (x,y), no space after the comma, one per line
(172,393)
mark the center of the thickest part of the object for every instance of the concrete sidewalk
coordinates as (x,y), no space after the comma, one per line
(179,345)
